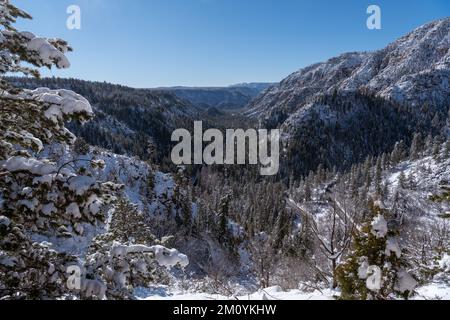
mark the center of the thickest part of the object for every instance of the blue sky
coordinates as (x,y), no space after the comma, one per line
(151,43)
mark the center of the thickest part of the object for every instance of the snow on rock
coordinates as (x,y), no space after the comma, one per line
(379,226)
(414,69)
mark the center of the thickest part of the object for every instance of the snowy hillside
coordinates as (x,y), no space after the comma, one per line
(377,98)
(414,69)
(414,190)
(128,121)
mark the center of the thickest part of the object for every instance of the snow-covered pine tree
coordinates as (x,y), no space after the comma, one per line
(378,176)
(415,146)
(127,256)
(398,153)
(375,268)
(402,180)
(183,199)
(38,197)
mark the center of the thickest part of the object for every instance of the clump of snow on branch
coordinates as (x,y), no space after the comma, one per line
(444,263)
(362,270)
(379,226)
(374,281)
(405,282)
(120,267)
(165,257)
(62,102)
(47,52)
(392,246)
(31,165)
(25,46)
(41,199)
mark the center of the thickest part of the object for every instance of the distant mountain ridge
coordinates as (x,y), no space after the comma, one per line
(222,98)
(127,121)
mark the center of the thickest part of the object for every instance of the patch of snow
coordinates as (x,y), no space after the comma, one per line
(49,209)
(73,210)
(164,256)
(46,51)
(374,280)
(379,226)
(433,291)
(405,282)
(31,165)
(392,246)
(7,260)
(272,293)
(4,221)
(444,263)
(363,268)
(81,184)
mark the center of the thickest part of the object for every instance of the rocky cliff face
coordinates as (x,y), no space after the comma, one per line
(414,69)
(329,112)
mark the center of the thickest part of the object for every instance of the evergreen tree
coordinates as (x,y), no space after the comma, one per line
(402,180)
(447,149)
(436,147)
(375,268)
(428,143)
(224,211)
(378,176)
(56,200)
(398,153)
(40,196)
(415,146)
(385,161)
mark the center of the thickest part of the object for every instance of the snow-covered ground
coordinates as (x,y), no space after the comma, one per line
(432,291)
(272,293)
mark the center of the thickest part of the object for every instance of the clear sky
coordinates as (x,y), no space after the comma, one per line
(151,43)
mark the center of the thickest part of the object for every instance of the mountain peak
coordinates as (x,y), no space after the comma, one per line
(413,69)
